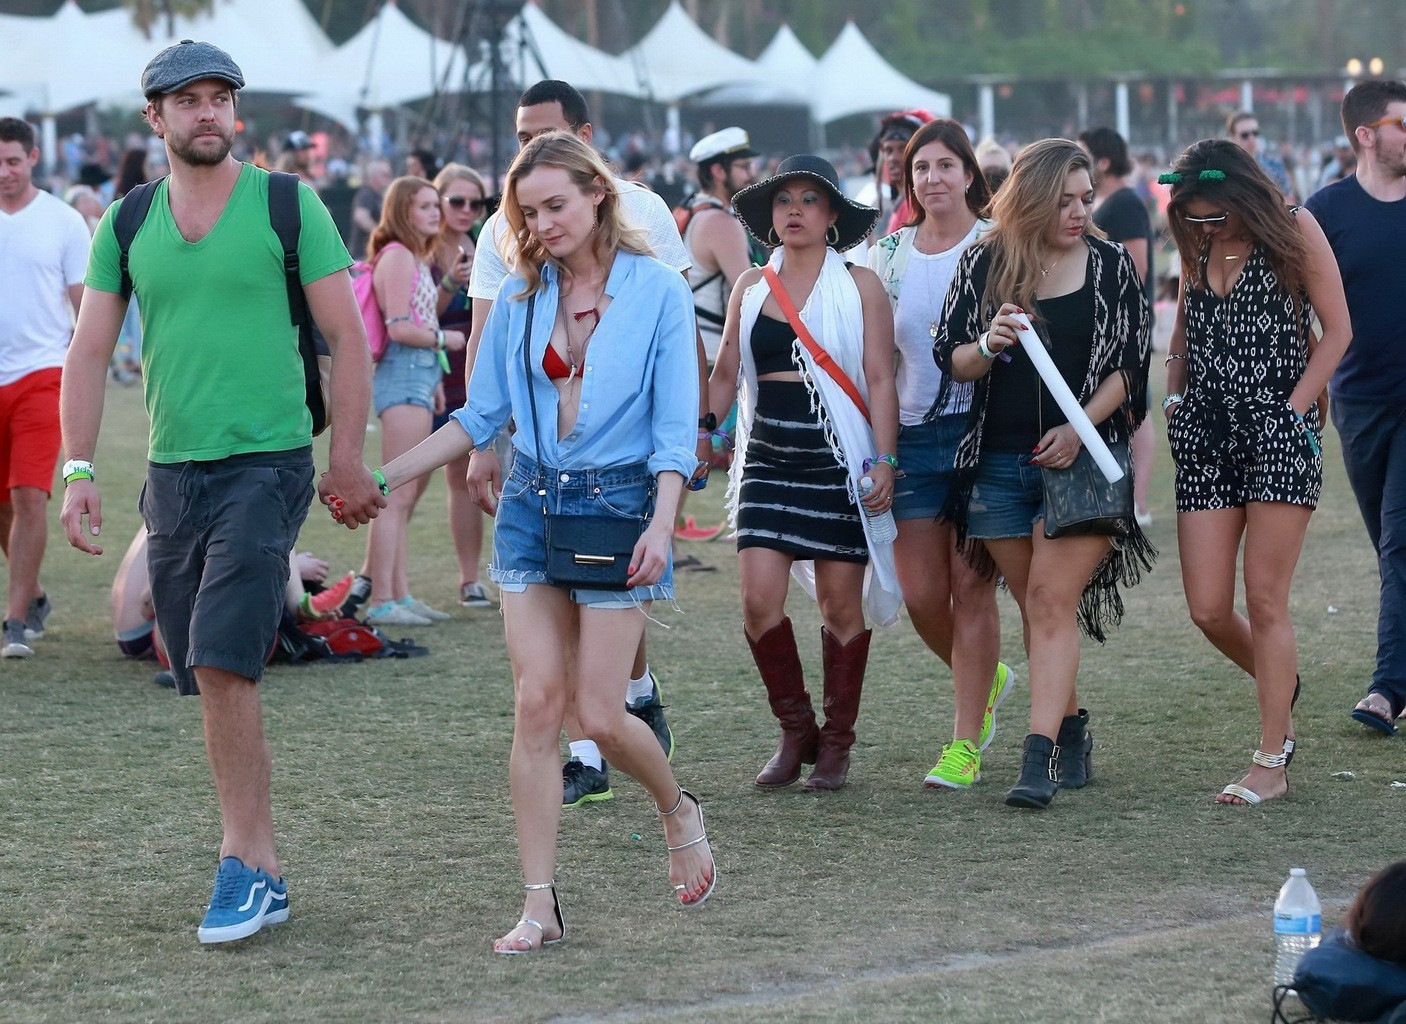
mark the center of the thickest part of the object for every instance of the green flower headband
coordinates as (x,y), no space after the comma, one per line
(1177,177)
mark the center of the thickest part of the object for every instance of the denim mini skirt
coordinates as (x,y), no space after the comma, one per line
(519,530)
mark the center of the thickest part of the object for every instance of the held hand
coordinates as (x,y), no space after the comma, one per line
(350,494)
(704,453)
(81,499)
(437,400)
(1058,448)
(880,499)
(650,556)
(485,480)
(454,341)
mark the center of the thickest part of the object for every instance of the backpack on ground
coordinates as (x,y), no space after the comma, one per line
(287,222)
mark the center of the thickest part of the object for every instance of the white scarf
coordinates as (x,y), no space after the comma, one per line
(834,316)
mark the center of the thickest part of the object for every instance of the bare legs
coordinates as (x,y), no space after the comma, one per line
(954,611)
(1262,644)
(402,427)
(465,521)
(241,764)
(1046,578)
(543,626)
(24,529)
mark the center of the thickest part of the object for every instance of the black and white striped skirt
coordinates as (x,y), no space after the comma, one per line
(794,495)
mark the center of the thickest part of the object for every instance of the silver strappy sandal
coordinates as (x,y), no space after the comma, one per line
(556,911)
(713,879)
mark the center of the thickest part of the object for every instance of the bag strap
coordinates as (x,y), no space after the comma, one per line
(821,357)
(287,221)
(532,396)
(131,213)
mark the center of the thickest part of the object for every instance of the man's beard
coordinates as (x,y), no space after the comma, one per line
(198,156)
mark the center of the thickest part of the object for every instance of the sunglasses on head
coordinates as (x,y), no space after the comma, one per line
(459,202)
(1217,218)
(1249,133)
(1399,121)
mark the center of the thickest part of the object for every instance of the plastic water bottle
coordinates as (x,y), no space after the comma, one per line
(1298,924)
(881,524)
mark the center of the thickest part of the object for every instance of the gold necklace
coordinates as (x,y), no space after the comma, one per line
(1045,271)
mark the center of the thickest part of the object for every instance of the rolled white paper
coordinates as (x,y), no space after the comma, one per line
(1032,346)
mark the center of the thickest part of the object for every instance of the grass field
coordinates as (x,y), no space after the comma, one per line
(1135,899)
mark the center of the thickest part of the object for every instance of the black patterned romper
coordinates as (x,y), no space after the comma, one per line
(1234,437)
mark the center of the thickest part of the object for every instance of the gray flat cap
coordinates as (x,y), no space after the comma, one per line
(188,61)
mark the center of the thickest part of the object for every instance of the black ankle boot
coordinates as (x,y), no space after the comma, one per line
(1076,745)
(1039,774)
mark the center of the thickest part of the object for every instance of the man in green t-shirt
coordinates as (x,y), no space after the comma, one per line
(229,476)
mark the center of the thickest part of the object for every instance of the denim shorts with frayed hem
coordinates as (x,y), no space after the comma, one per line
(218,537)
(927,455)
(405,376)
(519,530)
(1008,496)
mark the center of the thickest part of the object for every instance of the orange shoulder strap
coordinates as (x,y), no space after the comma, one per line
(821,357)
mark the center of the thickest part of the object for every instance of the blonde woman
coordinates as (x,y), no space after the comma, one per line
(1046,261)
(604,387)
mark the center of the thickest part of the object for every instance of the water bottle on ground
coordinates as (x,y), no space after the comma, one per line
(1298,924)
(881,524)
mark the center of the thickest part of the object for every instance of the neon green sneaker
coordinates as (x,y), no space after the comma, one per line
(957,768)
(1002,683)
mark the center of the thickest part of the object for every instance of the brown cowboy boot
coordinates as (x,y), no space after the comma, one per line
(844,679)
(779,663)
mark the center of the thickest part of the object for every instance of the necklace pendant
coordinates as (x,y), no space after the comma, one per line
(932,330)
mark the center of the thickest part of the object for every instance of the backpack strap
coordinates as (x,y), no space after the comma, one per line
(132,211)
(287,222)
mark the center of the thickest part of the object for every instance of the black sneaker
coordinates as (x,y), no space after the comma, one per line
(650,711)
(582,784)
(38,611)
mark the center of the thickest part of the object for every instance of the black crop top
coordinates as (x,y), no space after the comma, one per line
(771,345)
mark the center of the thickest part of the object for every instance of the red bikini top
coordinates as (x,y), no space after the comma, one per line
(554,366)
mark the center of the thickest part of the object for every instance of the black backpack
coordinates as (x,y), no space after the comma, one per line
(287,223)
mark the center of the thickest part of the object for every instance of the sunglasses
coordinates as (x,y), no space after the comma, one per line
(1218,218)
(1253,133)
(1399,121)
(459,202)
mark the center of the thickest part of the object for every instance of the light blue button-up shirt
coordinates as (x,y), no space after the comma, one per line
(639,384)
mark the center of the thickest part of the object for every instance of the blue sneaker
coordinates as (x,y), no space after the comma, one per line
(243,901)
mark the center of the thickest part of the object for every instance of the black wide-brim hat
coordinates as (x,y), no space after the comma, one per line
(753,203)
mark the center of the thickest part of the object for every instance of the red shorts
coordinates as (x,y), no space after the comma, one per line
(29,431)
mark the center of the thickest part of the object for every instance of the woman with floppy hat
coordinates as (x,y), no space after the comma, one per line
(1047,262)
(952,607)
(808,349)
(1244,426)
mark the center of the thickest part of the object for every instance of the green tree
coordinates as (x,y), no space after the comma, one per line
(146,13)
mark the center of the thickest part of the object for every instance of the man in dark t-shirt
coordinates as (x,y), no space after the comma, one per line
(366,207)
(1364,217)
(1122,215)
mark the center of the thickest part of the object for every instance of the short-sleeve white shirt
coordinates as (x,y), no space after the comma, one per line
(642,209)
(43,250)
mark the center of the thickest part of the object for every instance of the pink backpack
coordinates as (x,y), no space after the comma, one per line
(363,274)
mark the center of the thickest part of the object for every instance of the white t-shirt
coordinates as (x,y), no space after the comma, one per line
(43,250)
(642,209)
(920,305)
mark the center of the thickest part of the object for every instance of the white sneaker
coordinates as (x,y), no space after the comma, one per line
(14,645)
(475,595)
(423,610)
(392,614)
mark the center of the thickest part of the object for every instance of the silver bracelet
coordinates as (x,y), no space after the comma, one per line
(1171,356)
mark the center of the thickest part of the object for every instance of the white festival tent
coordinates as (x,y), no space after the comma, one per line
(852,78)
(787,67)
(535,47)
(676,58)
(389,62)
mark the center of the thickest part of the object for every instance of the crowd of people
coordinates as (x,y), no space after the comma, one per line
(926,388)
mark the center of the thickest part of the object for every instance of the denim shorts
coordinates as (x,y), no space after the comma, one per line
(519,531)
(927,453)
(1008,496)
(405,376)
(219,535)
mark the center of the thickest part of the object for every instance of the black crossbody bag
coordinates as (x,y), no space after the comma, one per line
(1079,500)
(585,552)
